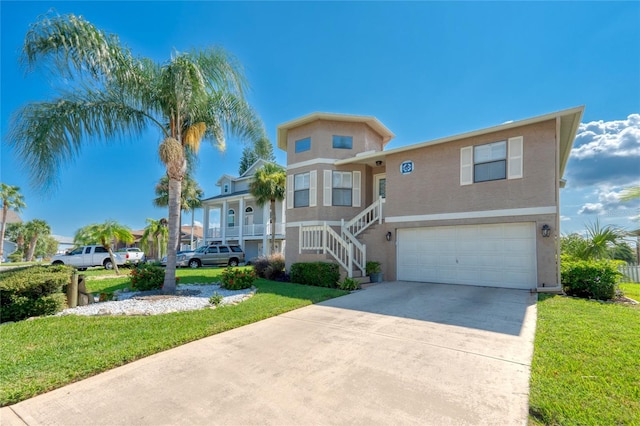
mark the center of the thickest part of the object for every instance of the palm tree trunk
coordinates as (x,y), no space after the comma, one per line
(5,208)
(113,260)
(32,247)
(175,186)
(273,226)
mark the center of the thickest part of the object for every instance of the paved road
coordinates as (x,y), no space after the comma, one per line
(396,353)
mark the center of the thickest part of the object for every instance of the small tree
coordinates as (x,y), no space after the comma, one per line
(10,198)
(34,230)
(268,186)
(105,234)
(158,232)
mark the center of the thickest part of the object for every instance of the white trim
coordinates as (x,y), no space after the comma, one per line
(515,154)
(313,223)
(313,188)
(466,165)
(311,163)
(328,188)
(473,215)
(290,191)
(356,183)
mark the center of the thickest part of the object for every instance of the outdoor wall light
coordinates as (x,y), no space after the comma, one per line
(379,163)
(545,231)
(389,235)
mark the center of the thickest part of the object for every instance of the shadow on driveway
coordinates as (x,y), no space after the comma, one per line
(485,308)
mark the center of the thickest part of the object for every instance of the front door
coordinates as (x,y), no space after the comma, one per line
(379,186)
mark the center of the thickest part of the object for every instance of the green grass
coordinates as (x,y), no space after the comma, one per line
(586,363)
(47,353)
(631,290)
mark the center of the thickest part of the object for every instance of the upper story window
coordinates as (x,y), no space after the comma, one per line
(342,142)
(225,188)
(301,190)
(231,221)
(342,184)
(490,161)
(303,145)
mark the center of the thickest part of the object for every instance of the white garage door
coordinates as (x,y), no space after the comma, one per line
(500,255)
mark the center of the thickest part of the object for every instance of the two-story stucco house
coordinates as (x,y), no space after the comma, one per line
(478,208)
(242,220)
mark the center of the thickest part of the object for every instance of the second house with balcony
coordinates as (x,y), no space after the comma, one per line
(234,217)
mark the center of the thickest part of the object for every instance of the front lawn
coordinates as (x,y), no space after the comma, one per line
(586,363)
(631,290)
(47,353)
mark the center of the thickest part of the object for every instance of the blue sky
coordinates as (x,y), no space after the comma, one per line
(426,70)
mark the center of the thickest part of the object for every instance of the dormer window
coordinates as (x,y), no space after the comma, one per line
(342,142)
(226,188)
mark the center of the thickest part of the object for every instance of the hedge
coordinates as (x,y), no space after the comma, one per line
(589,279)
(32,291)
(321,274)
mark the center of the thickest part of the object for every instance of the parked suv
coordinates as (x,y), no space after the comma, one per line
(217,254)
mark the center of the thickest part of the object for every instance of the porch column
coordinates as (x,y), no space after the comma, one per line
(205,223)
(265,220)
(223,222)
(240,217)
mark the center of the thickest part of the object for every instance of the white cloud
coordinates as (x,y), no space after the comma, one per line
(564,218)
(592,208)
(606,154)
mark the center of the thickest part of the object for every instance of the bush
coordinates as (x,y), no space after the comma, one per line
(147,276)
(271,268)
(349,284)
(237,279)
(32,291)
(321,274)
(216,299)
(373,267)
(589,278)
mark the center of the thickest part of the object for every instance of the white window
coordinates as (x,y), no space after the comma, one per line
(301,190)
(226,188)
(491,161)
(342,185)
(231,218)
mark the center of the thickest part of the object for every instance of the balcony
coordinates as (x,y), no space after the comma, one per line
(233,232)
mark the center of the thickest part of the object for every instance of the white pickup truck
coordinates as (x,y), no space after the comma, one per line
(132,255)
(86,256)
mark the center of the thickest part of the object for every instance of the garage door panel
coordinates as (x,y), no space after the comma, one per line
(500,255)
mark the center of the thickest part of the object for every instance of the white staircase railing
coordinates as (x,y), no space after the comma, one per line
(344,247)
(365,218)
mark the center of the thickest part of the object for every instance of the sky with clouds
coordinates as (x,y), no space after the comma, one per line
(424,69)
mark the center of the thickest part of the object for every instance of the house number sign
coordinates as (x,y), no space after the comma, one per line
(406,167)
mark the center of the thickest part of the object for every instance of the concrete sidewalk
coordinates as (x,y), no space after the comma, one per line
(396,353)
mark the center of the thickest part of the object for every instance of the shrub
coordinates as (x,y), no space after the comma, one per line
(590,279)
(271,268)
(32,291)
(216,299)
(237,279)
(349,284)
(321,274)
(147,276)
(373,267)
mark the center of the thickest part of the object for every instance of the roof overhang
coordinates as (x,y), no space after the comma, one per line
(569,121)
(372,122)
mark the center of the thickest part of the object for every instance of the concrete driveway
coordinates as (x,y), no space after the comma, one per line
(396,353)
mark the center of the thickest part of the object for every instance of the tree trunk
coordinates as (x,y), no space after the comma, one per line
(32,247)
(113,260)
(272,207)
(5,208)
(175,187)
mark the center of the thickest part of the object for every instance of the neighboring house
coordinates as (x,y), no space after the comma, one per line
(10,247)
(479,208)
(64,243)
(242,220)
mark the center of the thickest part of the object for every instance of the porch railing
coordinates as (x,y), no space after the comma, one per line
(365,218)
(255,230)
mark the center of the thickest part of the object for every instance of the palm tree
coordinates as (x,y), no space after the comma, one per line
(105,234)
(268,186)
(602,240)
(630,193)
(157,231)
(109,93)
(190,199)
(11,199)
(35,229)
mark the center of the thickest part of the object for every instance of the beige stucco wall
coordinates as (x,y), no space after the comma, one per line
(321,133)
